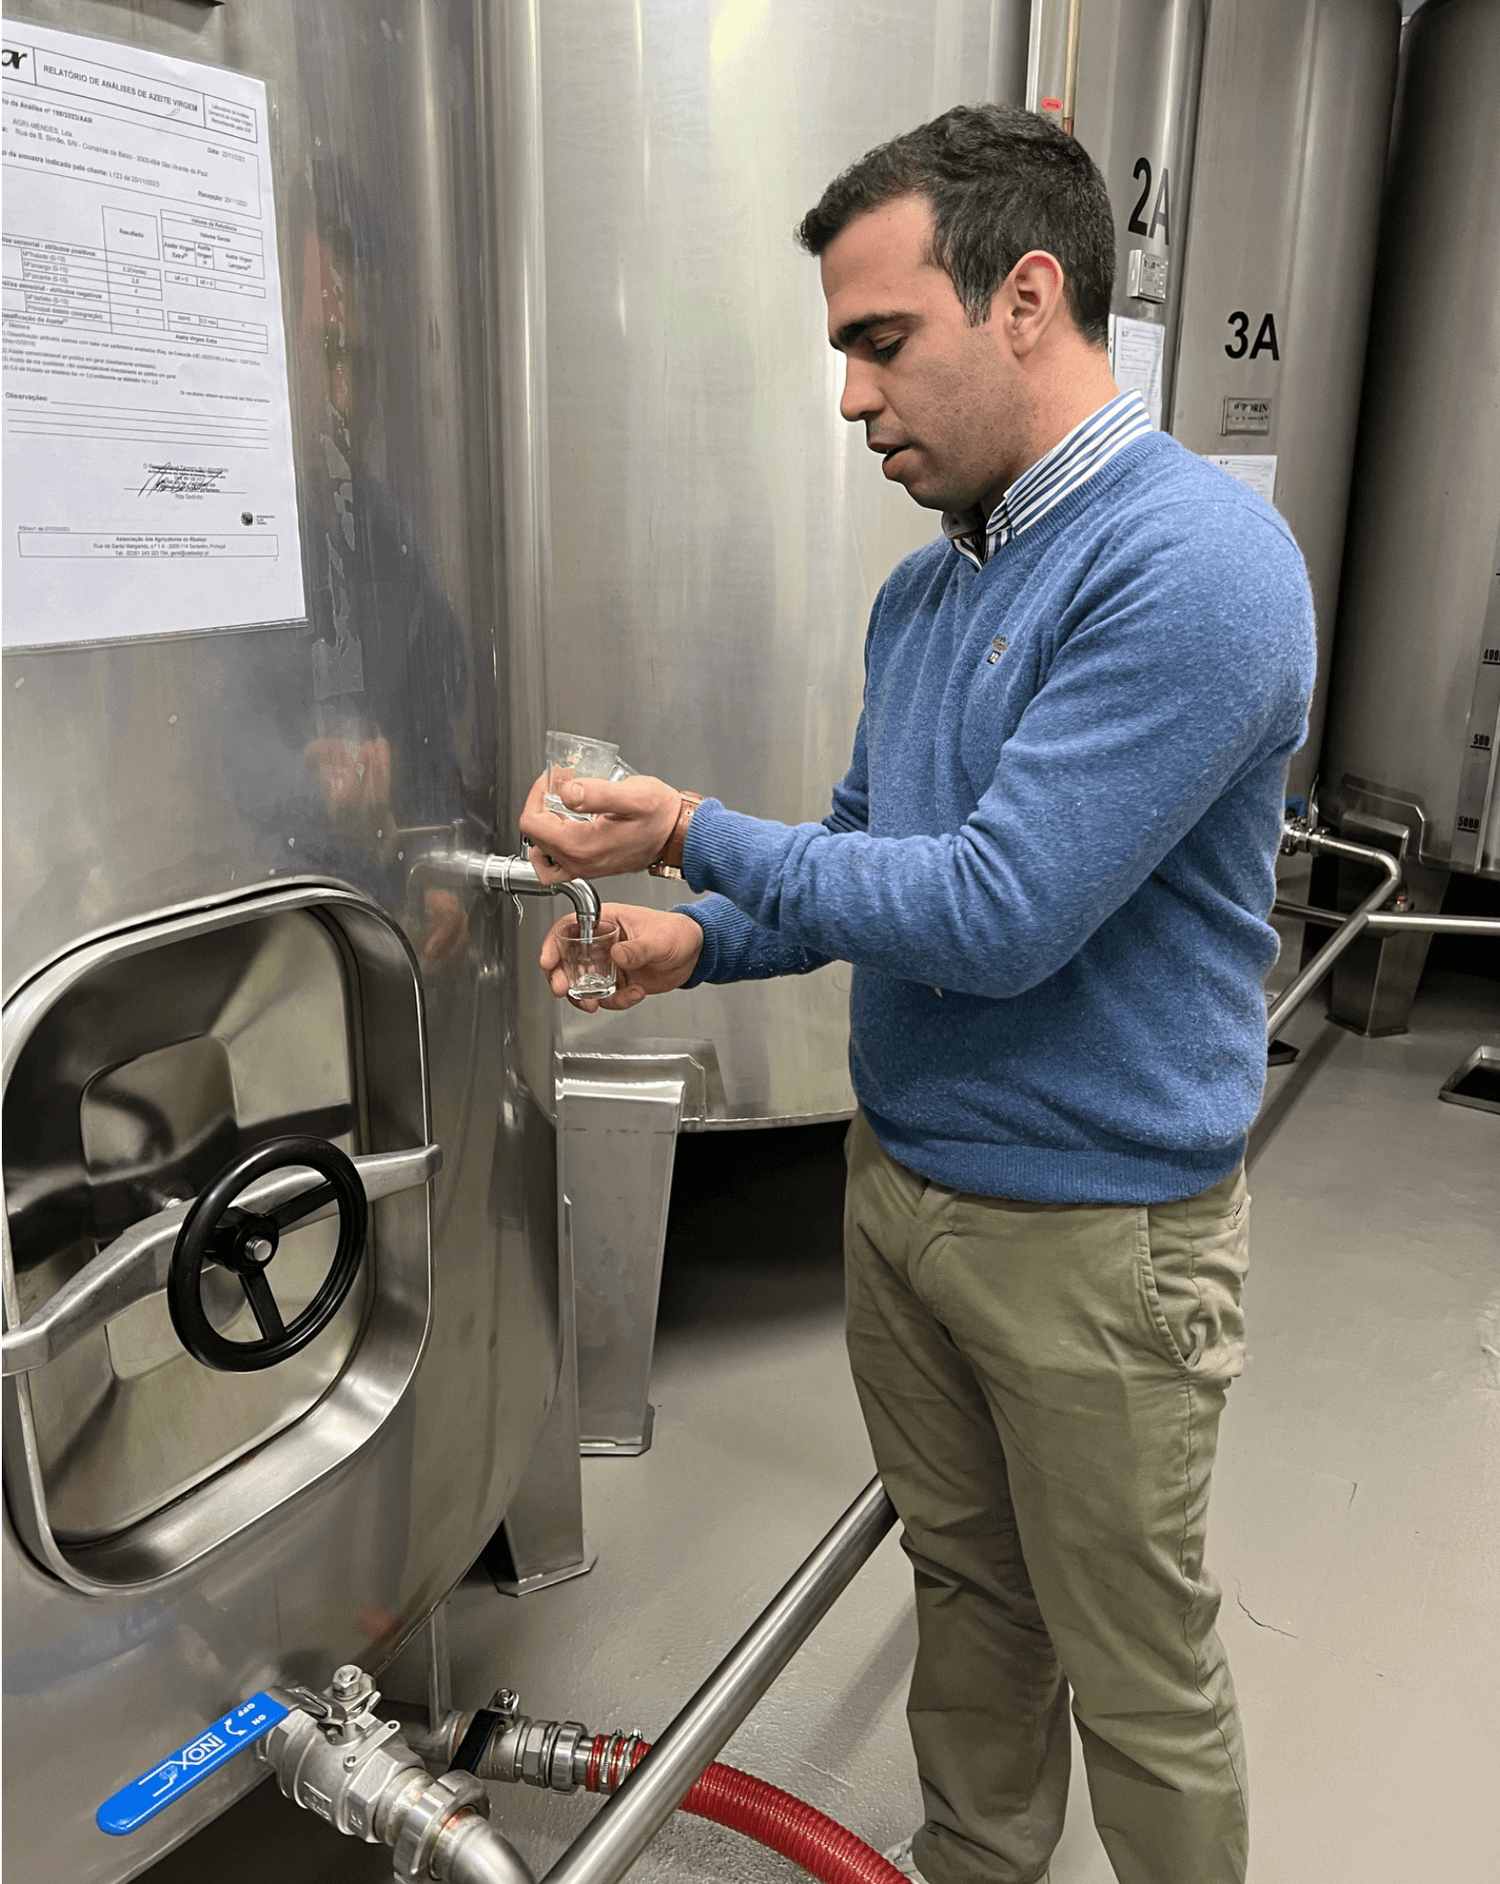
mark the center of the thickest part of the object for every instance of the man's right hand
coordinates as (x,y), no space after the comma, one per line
(658,951)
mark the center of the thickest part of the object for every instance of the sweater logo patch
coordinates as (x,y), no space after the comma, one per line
(997,648)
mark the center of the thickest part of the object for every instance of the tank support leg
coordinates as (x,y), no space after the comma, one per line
(617,1142)
(1374,984)
(541,1541)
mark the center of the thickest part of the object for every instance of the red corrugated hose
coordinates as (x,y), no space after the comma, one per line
(761,1811)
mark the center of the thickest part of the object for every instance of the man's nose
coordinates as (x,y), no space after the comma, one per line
(861,396)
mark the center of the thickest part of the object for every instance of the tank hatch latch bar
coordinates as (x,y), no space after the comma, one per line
(139,1262)
(169,1779)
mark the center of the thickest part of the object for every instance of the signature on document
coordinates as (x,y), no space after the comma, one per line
(183,480)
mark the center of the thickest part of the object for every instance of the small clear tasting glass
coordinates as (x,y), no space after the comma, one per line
(572,755)
(588,965)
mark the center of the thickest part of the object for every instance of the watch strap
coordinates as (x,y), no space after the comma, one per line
(669,863)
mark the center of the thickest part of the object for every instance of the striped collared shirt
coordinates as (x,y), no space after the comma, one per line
(1071,462)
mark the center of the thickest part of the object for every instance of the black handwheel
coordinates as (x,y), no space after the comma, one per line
(245,1241)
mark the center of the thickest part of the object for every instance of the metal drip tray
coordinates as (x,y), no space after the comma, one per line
(1476,1083)
(135,1069)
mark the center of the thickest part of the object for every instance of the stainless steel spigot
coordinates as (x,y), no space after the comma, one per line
(486,870)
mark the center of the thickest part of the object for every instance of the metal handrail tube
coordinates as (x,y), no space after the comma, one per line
(610,1844)
(1357,923)
(1393,921)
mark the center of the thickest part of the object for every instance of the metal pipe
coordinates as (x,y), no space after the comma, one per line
(1393,921)
(484,870)
(1070,72)
(469,1852)
(610,1844)
(1295,837)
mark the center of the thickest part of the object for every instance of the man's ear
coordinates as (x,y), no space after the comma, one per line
(1032,296)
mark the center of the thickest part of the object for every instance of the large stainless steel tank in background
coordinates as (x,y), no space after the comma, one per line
(1130,71)
(719,532)
(1244,146)
(1293,126)
(1412,720)
(175,1539)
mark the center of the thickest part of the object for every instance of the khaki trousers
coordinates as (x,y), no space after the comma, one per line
(1042,1385)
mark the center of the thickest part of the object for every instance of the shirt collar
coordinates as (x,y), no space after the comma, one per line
(1058,472)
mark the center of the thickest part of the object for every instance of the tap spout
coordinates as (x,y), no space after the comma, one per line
(486,870)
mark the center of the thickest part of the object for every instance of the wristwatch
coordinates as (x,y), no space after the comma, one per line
(669,863)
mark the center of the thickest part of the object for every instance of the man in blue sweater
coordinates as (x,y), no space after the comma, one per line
(1051,865)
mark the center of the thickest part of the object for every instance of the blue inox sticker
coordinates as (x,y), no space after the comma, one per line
(143,1798)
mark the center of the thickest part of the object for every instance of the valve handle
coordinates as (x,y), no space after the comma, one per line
(154,1791)
(244,1242)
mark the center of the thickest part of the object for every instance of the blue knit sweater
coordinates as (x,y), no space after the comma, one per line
(1052,870)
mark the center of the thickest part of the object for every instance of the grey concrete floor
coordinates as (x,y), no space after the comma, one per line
(1355,1525)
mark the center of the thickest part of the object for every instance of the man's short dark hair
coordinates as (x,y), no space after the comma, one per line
(1001,181)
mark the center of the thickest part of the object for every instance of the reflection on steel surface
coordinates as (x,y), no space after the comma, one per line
(319,1512)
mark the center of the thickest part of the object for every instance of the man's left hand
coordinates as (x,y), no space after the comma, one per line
(628,827)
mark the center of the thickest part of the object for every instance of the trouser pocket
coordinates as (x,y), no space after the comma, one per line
(1190,1269)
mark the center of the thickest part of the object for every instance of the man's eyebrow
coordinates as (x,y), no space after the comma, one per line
(853,331)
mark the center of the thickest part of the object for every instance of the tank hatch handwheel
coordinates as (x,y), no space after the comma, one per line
(245,1241)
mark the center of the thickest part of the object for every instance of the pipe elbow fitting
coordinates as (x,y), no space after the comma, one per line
(498,875)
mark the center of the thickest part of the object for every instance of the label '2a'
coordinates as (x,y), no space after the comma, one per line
(1161,211)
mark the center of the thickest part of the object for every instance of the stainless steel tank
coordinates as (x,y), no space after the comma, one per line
(1243,145)
(222,922)
(1123,76)
(1293,127)
(718,531)
(1412,718)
